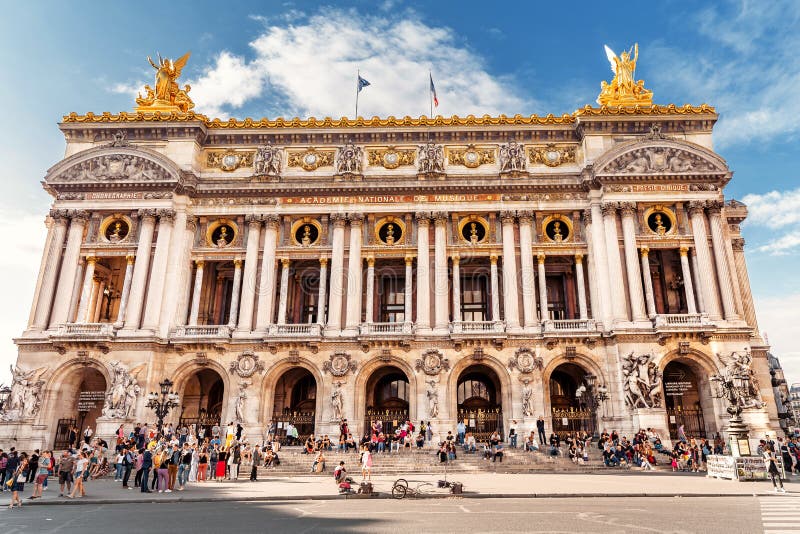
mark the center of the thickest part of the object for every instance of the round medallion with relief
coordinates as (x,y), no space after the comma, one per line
(471,159)
(552,157)
(391,160)
(229,162)
(310,159)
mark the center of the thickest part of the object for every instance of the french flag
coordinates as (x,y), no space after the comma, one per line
(433,92)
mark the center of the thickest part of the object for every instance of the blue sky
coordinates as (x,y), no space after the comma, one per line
(299,58)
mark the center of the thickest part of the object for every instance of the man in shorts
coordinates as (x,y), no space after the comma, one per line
(65,468)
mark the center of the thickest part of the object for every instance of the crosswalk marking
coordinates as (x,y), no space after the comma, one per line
(780,514)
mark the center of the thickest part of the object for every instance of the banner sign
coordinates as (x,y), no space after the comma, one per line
(87,400)
(721,466)
(677,389)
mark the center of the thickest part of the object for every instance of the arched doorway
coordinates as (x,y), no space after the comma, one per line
(387,396)
(572,405)
(478,395)
(295,402)
(202,400)
(80,402)
(687,399)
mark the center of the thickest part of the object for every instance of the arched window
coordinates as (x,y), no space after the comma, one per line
(391,390)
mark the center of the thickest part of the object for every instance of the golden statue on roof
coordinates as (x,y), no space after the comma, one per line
(167,95)
(624,90)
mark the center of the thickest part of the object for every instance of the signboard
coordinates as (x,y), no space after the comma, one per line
(108,195)
(386,199)
(719,466)
(751,468)
(87,400)
(677,389)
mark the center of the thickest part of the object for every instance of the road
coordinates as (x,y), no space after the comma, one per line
(710,515)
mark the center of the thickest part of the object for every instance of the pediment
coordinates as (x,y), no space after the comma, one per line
(659,157)
(116,164)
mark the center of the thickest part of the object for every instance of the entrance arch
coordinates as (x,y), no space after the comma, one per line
(388,396)
(87,385)
(688,399)
(571,406)
(295,402)
(479,401)
(202,400)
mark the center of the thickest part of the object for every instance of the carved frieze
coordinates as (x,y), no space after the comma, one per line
(390,158)
(471,157)
(641,381)
(311,159)
(552,155)
(349,159)
(339,364)
(432,362)
(525,360)
(431,158)
(247,364)
(512,158)
(267,161)
(114,167)
(229,160)
(650,160)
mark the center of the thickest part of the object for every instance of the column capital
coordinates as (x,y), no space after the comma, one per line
(253,219)
(200,263)
(272,220)
(423,218)
(440,218)
(59,216)
(609,209)
(237,263)
(166,216)
(370,261)
(645,251)
(130,259)
(696,207)
(579,258)
(338,219)
(628,209)
(409,260)
(191,223)
(540,257)
(493,259)
(80,216)
(737,243)
(587,216)
(525,216)
(684,251)
(147,214)
(456,258)
(91,260)
(285,262)
(355,219)
(507,216)
(714,207)
(323,261)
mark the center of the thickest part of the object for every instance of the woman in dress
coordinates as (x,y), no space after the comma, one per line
(366,464)
(195,464)
(202,465)
(81,467)
(19,477)
(229,436)
(222,464)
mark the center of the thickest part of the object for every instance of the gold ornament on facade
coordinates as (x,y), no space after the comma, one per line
(390,231)
(306,232)
(660,220)
(624,89)
(390,158)
(311,159)
(221,233)
(167,95)
(552,155)
(229,160)
(557,228)
(471,157)
(473,229)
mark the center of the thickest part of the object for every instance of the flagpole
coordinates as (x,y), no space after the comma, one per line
(358,90)
(430,93)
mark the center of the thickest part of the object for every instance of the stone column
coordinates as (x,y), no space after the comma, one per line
(543,311)
(96,303)
(648,282)
(354,276)
(495,288)
(721,260)
(175,271)
(185,279)
(284,290)
(337,274)
(69,265)
(737,244)
(704,273)
(441,286)
(409,292)
(126,289)
(237,287)
(50,264)
(688,285)
(456,289)
(617,293)
(423,275)
(196,292)
(370,305)
(526,261)
(323,293)
(510,296)
(248,298)
(632,261)
(77,286)
(87,291)
(158,277)
(140,270)
(701,305)
(266,297)
(582,311)
(599,282)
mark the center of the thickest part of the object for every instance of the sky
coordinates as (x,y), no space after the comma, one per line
(300,58)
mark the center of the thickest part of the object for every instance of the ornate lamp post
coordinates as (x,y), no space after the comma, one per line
(730,388)
(594,395)
(5,392)
(162,403)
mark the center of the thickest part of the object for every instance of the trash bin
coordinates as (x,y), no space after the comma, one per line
(457,488)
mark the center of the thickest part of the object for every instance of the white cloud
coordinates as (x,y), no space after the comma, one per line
(776,210)
(782,245)
(750,72)
(309,67)
(778,317)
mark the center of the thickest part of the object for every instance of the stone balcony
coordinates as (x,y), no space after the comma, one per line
(296,330)
(386,329)
(85,331)
(477,327)
(202,332)
(681,321)
(570,326)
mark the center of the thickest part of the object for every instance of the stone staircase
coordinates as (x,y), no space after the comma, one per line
(425,460)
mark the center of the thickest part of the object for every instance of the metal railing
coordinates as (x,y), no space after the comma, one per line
(86,329)
(561,325)
(203,331)
(679,319)
(299,329)
(385,328)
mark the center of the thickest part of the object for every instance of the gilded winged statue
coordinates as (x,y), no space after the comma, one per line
(624,90)
(167,95)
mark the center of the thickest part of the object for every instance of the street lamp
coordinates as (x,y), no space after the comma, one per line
(5,393)
(592,395)
(162,403)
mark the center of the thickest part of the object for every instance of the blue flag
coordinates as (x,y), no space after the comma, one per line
(362,83)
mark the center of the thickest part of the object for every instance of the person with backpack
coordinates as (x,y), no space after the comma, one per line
(127,465)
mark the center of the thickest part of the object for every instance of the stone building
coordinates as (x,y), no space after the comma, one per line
(585,268)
